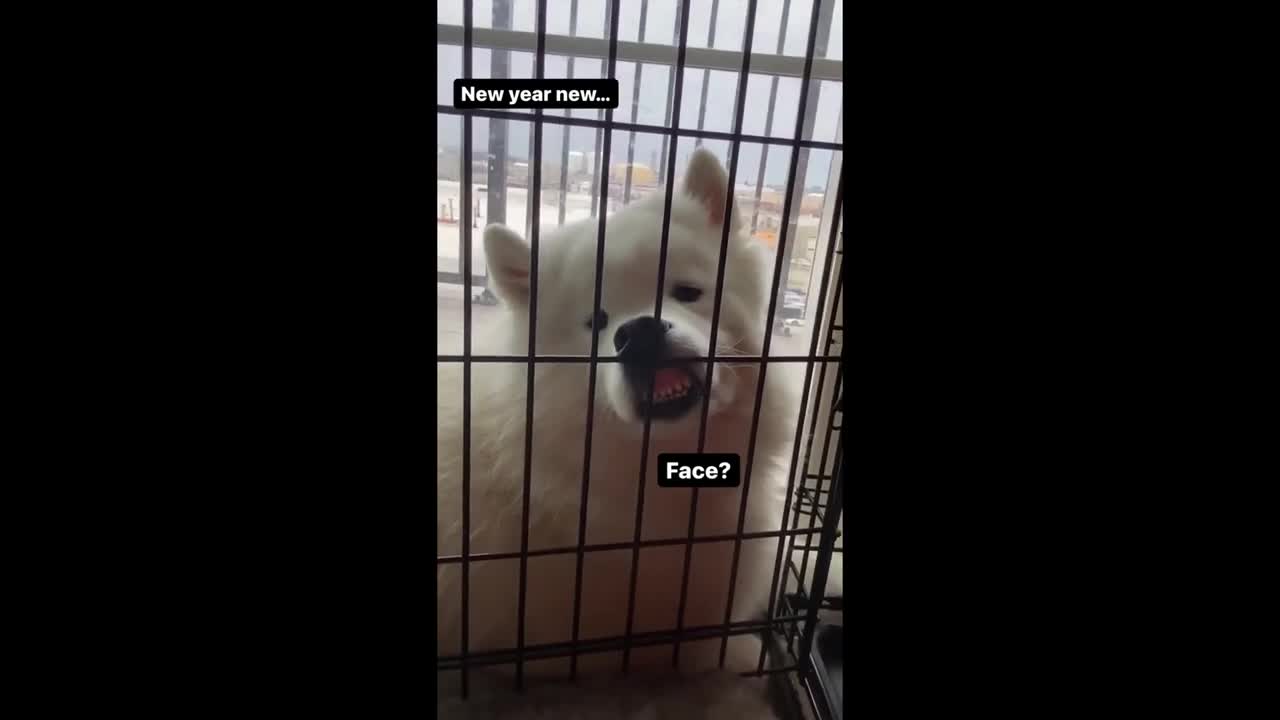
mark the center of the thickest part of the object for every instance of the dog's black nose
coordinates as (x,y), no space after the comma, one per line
(640,339)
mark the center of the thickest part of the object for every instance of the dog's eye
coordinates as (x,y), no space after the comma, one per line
(686,293)
(600,322)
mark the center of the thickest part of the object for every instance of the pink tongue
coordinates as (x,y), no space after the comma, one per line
(668,379)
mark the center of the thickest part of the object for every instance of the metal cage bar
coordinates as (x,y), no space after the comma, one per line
(564,137)
(706,72)
(653,53)
(812,94)
(610,16)
(823,500)
(776,65)
(465,259)
(555,650)
(478,557)
(781,260)
(768,118)
(813,426)
(804,398)
(754,359)
(666,108)
(682,47)
(734,148)
(591,372)
(641,128)
(535,201)
(635,109)
(814,680)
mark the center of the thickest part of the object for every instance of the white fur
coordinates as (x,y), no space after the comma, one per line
(566,268)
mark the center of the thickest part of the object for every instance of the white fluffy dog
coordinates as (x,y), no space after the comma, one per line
(625,329)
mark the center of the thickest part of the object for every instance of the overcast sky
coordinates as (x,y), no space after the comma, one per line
(654,79)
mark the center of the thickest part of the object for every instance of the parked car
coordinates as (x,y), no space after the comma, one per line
(791,314)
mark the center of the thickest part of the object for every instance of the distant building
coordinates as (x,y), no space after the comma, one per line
(641,175)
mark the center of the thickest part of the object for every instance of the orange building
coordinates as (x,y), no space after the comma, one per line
(640,174)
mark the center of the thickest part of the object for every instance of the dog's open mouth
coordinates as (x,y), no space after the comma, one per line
(676,391)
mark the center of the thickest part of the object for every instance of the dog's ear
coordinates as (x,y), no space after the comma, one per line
(507,257)
(706,182)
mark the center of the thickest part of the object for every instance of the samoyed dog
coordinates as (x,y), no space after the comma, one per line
(643,351)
